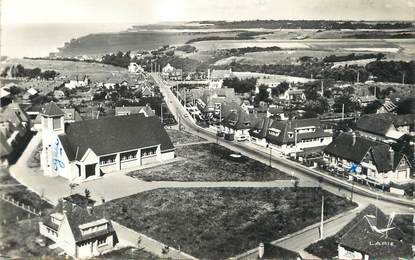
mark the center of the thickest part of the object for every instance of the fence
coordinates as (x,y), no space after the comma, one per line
(21,205)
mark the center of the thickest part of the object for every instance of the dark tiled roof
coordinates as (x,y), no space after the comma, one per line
(277,252)
(51,109)
(114,134)
(77,215)
(360,236)
(260,129)
(238,120)
(289,126)
(344,147)
(372,124)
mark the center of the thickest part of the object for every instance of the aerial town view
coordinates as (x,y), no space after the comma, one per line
(196,129)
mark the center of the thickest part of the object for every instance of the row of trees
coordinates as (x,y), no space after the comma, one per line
(20,71)
(352,56)
(385,71)
(240,85)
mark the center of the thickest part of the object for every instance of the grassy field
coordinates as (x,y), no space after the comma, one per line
(70,69)
(220,223)
(182,137)
(210,162)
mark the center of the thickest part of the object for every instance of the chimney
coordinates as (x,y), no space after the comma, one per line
(261,250)
(353,138)
(391,157)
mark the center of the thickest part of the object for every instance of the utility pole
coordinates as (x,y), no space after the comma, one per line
(322,218)
(342,112)
(161,112)
(358,76)
(270,156)
(403,78)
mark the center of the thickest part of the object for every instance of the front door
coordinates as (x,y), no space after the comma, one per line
(90,170)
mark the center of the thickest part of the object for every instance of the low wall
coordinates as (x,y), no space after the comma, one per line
(131,238)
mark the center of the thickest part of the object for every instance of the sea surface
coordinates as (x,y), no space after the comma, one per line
(38,40)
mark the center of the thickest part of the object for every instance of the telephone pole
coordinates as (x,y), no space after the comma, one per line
(322,218)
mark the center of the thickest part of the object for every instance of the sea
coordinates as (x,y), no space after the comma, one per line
(38,40)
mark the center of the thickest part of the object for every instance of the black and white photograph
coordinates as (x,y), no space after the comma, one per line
(207,129)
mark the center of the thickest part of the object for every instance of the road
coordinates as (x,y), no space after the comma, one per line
(339,187)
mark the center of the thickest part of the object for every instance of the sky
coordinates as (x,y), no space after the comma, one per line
(152,11)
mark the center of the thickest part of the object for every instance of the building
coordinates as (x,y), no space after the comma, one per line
(77,229)
(368,160)
(292,94)
(386,126)
(372,235)
(259,131)
(268,251)
(58,94)
(237,123)
(77,83)
(14,127)
(134,68)
(131,110)
(171,72)
(216,77)
(298,134)
(89,149)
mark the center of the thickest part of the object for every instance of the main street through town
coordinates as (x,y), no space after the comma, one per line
(339,187)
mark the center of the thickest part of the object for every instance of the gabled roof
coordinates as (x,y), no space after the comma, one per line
(260,129)
(77,215)
(238,119)
(71,114)
(129,109)
(51,109)
(13,113)
(344,147)
(5,148)
(287,127)
(361,235)
(113,134)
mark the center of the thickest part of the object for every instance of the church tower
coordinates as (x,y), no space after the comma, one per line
(52,125)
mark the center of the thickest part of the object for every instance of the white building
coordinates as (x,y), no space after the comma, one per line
(88,149)
(135,68)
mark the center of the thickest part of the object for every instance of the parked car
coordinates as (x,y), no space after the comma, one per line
(241,138)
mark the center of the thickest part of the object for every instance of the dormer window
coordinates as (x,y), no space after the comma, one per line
(290,134)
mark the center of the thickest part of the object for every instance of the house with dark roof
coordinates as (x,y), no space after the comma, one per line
(237,123)
(88,149)
(297,134)
(77,229)
(369,160)
(268,251)
(386,126)
(372,235)
(14,125)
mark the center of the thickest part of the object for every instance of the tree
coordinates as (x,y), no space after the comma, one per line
(263,94)
(280,89)
(349,104)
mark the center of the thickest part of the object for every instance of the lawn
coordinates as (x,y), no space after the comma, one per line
(183,137)
(210,162)
(222,222)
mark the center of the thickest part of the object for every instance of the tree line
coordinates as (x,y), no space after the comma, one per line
(20,71)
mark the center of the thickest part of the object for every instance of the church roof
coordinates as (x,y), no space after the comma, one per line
(51,110)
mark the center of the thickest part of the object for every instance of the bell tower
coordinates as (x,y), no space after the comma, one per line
(52,125)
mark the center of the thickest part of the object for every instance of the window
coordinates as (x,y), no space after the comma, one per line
(148,151)
(290,135)
(56,123)
(129,155)
(109,159)
(101,241)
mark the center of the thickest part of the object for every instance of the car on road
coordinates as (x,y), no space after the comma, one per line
(241,138)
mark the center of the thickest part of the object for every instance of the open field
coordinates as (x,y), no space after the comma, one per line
(182,137)
(210,162)
(219,223)
(71,70)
